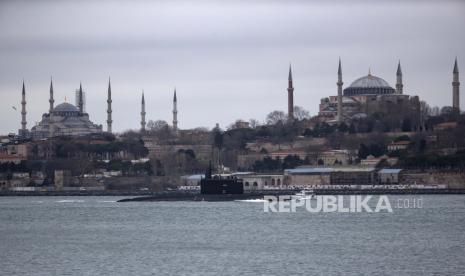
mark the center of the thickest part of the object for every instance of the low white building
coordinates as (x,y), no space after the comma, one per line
(399,145)
(334,157)
(254,181)
(389,176)
(20,179)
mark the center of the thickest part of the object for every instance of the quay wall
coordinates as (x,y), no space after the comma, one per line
(454,180)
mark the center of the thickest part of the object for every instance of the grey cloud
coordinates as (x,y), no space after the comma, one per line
(231,56)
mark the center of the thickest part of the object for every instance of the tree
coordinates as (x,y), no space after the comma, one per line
(185,161)
(425,111)
(342,127)
(157,167)
(267,165)
(35,151)
(300,113)
(292,161)
(276,117)
(402,138)
(379,126)
(422,145)
(447,110)
(377,150)
(406,125)
(157,125)
(254,123)
(435,111)
(130,135)
(352,128)
(65,149)
(217,138)
(363,151)
(322,130)
(382,164)
(160,129)
(190,153)
(200,129)
(83,166)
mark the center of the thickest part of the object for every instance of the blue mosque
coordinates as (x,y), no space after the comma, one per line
(66,119)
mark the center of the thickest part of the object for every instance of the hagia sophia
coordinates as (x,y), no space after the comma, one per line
(368,95)
(363,97)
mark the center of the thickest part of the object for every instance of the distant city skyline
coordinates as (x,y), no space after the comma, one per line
(230,59)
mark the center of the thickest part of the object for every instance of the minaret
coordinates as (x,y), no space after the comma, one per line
(456,88)
(399,85)
(50,112)
(109,101)
(142,114)
(175,112)
(290,97)
(81,101)
(23,111)
(51,100)
(339,92)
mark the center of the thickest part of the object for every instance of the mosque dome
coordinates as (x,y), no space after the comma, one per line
(66,109)
(369,85)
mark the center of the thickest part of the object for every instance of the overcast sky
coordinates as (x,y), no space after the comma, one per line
(228,59)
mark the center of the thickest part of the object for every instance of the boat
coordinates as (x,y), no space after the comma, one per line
(306,194)
(255,200)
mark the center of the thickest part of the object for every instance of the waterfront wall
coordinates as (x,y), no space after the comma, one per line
(127,183)
(300,180)
(454,180)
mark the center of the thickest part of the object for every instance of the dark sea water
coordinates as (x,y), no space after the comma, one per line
(97,236)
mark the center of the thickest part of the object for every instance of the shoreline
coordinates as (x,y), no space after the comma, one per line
(232,197)
(196,196)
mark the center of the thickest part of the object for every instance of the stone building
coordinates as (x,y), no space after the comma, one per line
(321,176)
(334,157)
(305,177)
(399,145)
(65,119)
(254,181)
(353,176)
(202,151)
(20,179)
(389,176)
(14,153)
(62,179)
(369,95)
(248,160)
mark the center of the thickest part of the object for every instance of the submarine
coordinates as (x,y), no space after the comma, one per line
(220,185)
